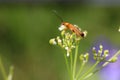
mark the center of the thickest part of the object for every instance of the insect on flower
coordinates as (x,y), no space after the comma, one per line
(71,27)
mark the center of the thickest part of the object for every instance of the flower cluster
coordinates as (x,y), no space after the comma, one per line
(67,40)
(84,57)
(101,55)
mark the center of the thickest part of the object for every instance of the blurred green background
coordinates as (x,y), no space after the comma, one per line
(25,30)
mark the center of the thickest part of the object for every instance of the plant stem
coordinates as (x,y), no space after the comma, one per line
(92,73)
(106,63)
(3,70)
(71,60)
(67,65)
(75,61)
(84,75)
(80,70)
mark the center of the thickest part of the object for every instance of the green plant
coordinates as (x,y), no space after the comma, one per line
(70,41)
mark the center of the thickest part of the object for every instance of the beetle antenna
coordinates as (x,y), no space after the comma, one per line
(55,12)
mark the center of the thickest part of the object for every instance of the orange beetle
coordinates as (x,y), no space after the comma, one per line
(71,27)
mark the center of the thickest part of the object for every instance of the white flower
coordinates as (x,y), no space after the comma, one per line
(59,40)
(62,27)
(101,47)
(66,48)
(68,54)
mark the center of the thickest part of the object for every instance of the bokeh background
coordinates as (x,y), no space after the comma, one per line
(27,26)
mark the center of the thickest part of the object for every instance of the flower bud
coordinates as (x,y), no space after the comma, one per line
(86,56)
(81,57)
(52,41)
(106,53)
(63,33)
(114,59)
(101,47)
(85,33)
(59,41)
(94,50)
(99,52)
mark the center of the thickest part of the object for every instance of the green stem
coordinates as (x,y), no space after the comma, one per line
(92,73)
(106,63)
(75,61)
(84,75)
(80,70)
(71,60)
(3,70)
(67,65)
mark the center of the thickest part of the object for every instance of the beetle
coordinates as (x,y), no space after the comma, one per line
(70,26)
